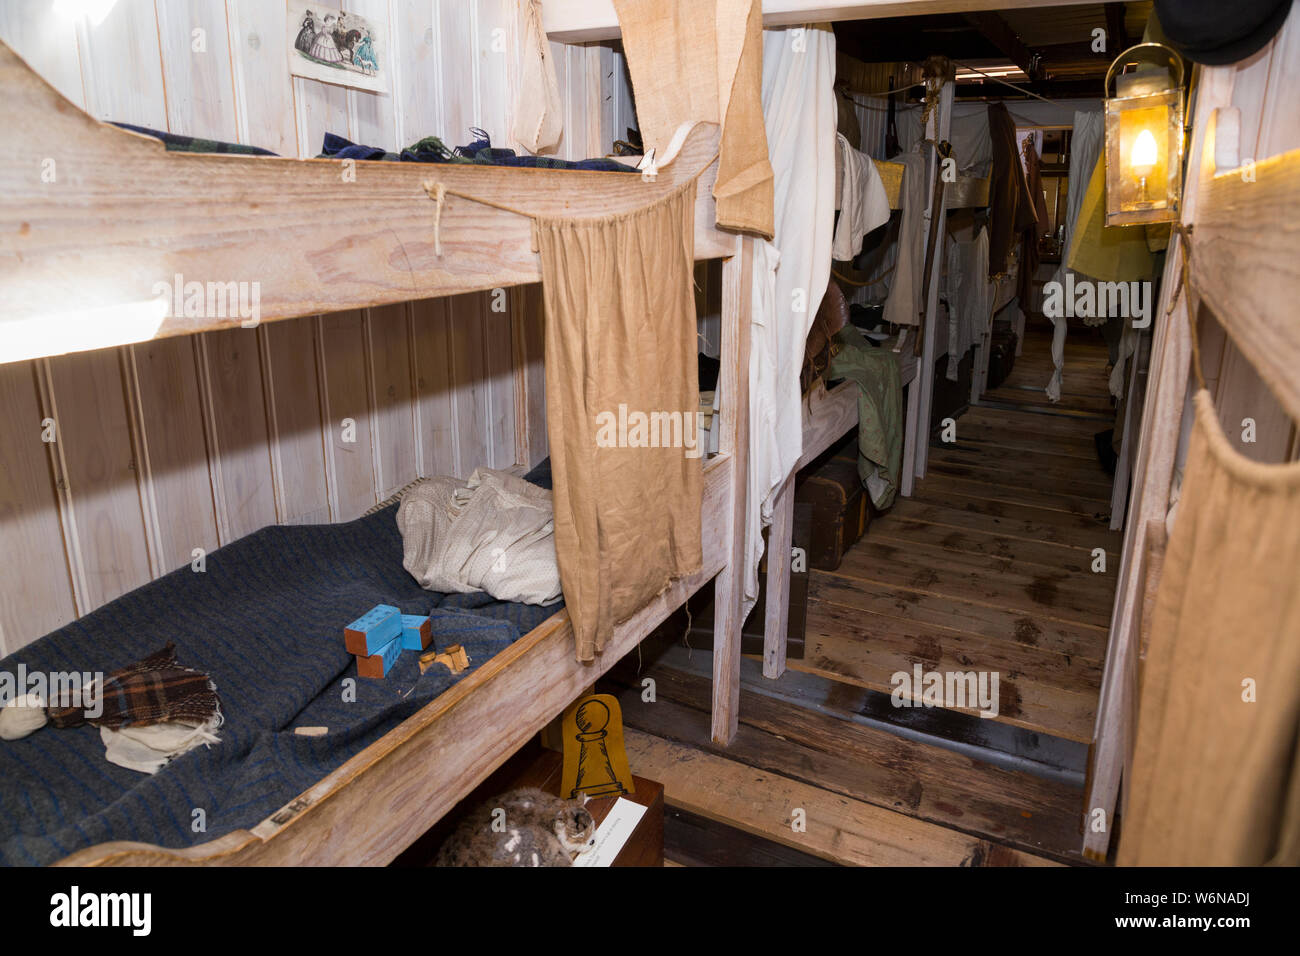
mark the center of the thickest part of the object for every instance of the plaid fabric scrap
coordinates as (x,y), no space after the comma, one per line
(152,690)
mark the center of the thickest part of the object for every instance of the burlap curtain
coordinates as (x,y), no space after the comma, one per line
(620,343)
(1215,775)
(703,60)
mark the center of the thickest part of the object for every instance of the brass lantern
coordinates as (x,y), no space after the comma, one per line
(1144,137)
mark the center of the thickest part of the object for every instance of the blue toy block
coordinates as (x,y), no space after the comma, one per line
(373,630)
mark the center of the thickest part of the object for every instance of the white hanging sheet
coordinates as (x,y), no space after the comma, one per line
(864,204)
(791,272)
(1085,146)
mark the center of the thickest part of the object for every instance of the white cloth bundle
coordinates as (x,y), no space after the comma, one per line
(493,533)
(149,749)
(22,716)
(864,204)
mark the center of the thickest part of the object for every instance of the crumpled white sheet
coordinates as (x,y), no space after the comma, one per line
(970,295)
(864,204)
(494,533)
(149,749)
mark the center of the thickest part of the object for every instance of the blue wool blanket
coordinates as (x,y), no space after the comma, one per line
(265,621)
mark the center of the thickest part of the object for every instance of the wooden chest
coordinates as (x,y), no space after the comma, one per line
(840,508)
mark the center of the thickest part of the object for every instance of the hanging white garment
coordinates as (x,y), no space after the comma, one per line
(864,204)
(903,306)
(1085,147)
(791,272)
(970,295)
(539,111)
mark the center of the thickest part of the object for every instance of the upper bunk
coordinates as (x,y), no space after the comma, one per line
(93,217)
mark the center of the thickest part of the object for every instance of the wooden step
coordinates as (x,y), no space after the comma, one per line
(835,827)
(937,484)
(1017,519)
(1070,595)
(1042,691)
(1071,638)
(913,510)
(865,763)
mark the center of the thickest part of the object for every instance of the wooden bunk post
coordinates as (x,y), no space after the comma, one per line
(776,620)
(729,586)
(1153,477)
(937,129)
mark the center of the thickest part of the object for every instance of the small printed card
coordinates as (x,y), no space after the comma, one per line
(612,834)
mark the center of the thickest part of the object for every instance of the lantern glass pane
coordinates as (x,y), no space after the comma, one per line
(1144,158)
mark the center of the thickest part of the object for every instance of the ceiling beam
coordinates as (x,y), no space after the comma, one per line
(998,32)
(578,21)
(1116,33)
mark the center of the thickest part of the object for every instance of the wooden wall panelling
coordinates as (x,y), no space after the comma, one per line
(264,103)
(47,42)
(121,65)
(349,454)
(237,424)
(530,402)
(172,450)
(417,79)
(457,24)
(435,409)
(392,397)
(194,42)
(289,353)
(470,393)
(97,471)
(498,357)
(37,595)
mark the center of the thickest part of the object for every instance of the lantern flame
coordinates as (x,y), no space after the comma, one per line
(1145,153)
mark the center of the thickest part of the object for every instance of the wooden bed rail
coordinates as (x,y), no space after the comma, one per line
(417,772)
(93,217)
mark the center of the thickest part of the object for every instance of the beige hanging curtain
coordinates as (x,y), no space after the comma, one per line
(1215,777)
(622,397)
(703,60)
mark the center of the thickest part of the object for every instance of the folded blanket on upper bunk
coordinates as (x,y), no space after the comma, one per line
(265,621)
(431,149)
(479,152)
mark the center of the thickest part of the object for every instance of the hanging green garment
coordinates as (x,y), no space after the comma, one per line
(1107,253)
(880,410)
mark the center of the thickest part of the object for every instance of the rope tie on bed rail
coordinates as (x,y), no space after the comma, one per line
(438,192)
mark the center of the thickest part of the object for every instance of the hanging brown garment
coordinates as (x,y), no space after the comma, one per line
(1214,779)
(703,60)
(1010,210)
(620,342)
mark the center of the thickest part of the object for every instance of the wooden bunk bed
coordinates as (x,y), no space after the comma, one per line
(126,213)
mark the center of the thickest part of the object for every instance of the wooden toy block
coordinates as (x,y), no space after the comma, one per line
(381,662)
(417,632)
(373,630)
(453,657)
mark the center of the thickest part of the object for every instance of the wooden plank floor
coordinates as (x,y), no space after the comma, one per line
(989,566)
(869,797)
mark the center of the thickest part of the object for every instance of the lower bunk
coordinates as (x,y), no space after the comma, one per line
(394,757)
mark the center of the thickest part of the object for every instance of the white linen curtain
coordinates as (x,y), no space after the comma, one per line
(791,271)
